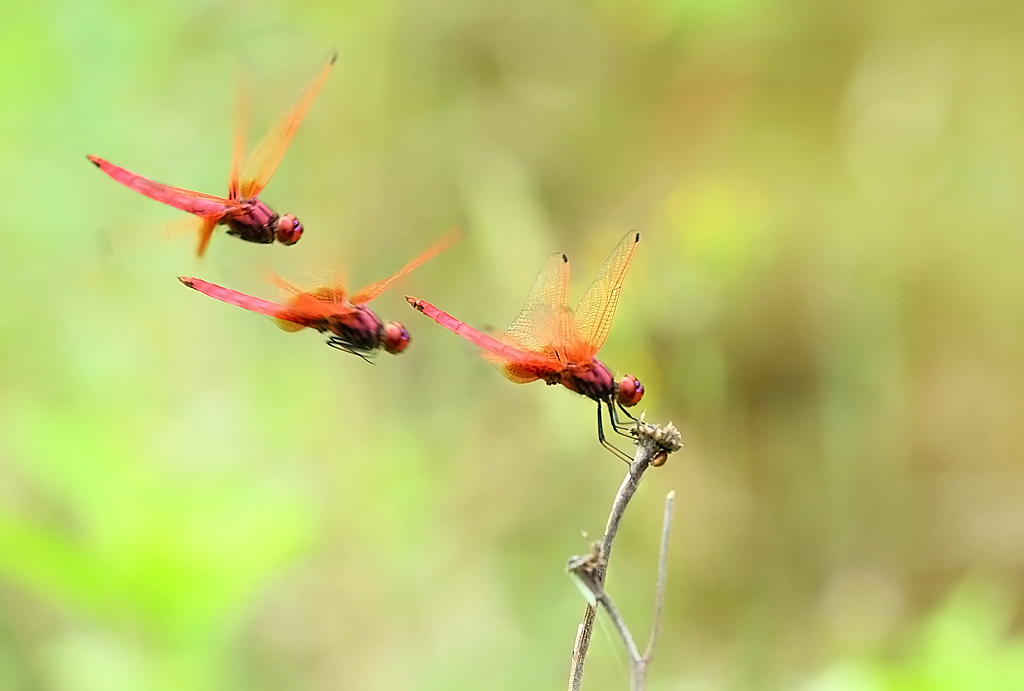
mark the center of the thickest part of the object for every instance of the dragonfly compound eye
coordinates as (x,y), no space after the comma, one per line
(289,230)
(630,391)
(396,338)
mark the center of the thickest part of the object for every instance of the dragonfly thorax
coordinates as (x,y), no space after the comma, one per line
(591,379)
(358,329)
(257,222)
(595,381)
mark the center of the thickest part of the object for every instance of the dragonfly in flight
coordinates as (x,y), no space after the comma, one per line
(352,326)
(245,215)
(549,342)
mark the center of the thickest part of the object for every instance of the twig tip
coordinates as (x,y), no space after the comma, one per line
(665,439)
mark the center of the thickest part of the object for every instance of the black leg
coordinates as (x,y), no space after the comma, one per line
(604,442)
(616,425)
(625,412)
(343,346)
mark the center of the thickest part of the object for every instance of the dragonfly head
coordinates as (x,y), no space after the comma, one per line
(629,391)
(288,230)
(396,338)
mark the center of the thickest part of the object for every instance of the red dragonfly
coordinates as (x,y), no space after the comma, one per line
(246,216)
(550,342)
(353,327)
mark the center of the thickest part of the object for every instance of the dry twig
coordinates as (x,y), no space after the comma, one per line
(654,444)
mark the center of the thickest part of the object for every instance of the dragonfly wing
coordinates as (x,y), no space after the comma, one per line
(268,153)
(593,317)
(312,304)
(518,373)
(374,290)
(540,325)
(242,101)
(180,198)
(206,226)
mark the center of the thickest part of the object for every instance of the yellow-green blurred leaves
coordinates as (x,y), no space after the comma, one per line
(721,230)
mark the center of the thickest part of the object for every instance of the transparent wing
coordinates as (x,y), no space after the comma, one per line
(374,290)
(205,231)
(319,282)
(303,306)
(268,153)
(593,317)
(242,107)
(541,324)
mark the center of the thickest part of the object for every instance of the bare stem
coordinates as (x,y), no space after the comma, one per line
(659,593)
(654,443)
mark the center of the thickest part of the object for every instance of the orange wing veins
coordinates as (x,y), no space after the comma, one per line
(374,290)
(540,325)
(242,101)
(268,153)
(594,314)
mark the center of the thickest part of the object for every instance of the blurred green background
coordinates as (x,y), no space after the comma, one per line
(827,300)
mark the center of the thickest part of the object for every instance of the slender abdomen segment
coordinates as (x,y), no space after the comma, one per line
(161,193)
(233,297)
(488,343)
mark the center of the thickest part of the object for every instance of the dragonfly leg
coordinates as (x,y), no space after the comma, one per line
(607,444)
(344,346)
(616,424)
(625,412)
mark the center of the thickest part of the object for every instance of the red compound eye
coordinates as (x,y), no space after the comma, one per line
(396,338)
(630,391)
(289,230)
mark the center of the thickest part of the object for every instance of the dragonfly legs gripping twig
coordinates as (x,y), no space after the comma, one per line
(620,454)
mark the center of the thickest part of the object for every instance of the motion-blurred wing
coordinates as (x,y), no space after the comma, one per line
(308,305)
(242,101)
(205,230)
(376,289)
(268,153)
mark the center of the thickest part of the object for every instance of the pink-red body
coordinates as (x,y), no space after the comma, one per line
(327,310)
(354,328)
(248,219)
(589,378)
(547,341)
(245,216)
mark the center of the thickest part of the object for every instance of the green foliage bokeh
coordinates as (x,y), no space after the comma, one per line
(827,301)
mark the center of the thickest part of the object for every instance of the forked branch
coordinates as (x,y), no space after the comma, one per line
(654,444)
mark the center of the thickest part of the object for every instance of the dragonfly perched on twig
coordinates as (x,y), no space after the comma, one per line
(547,341)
